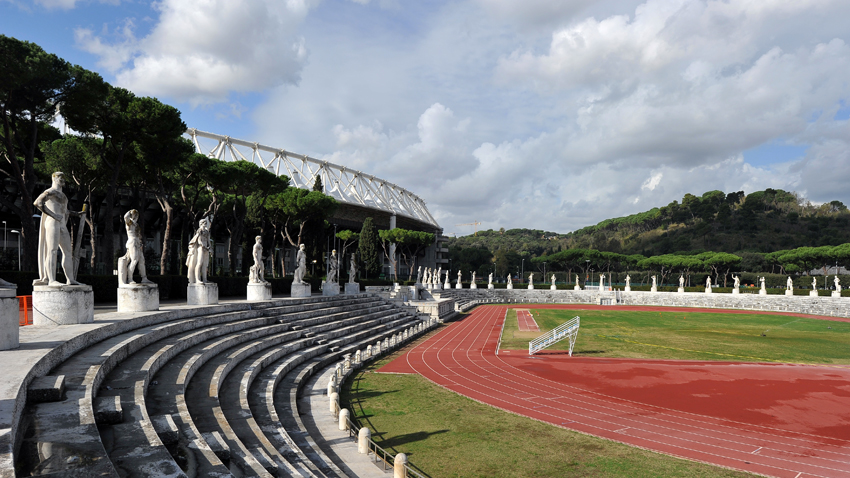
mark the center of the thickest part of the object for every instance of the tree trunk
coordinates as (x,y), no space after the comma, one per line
(166,236)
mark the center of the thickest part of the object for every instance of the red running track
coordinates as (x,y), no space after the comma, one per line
(525,321)
(774,419)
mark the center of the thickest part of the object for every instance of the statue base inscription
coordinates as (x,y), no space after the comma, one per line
(9,320)
(352,288)
(202,294)
(330,289)
(789,292)
(813,293)
(138,297)
(300,290)
(681,290)
(259,292)
(836,294)
(490,286)
(62,305)
(736,291)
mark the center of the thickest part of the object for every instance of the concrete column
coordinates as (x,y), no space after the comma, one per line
(343,419)
(368,351)
(363,437)
(398,466)
(357,357)
(332,399)
(331,385)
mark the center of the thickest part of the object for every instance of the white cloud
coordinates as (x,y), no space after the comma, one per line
(203,52)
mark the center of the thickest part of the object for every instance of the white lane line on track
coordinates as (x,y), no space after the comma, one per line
(471,325)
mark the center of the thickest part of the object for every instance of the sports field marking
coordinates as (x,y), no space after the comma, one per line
(525,321)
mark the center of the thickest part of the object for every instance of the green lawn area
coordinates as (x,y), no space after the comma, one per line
(692,336)
(446,435)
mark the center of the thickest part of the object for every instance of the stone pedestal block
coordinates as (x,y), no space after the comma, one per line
(473,286)
(653,289)
(627,289)
(836,294)
(202,294)
(530,286)
(259,292)
(300,290)
(578,287)
(762,292)
(138,297)
(813,293)
(510,286)
(490,286)
(352,288)
(708,290)
(458,286)
(681,290)
(330,289)
(553,287)
(789,292)
(62,305)
(9,320)
(736,291)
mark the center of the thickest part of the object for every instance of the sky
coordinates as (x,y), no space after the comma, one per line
(538,114)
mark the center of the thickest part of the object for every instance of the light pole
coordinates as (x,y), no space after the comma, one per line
(15,231)
(4,235)
(586,265)
(544,271)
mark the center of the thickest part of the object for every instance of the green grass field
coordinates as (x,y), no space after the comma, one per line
(692,336)
(446,435)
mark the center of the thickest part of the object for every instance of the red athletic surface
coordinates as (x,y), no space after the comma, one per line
(525,321)
(774,419)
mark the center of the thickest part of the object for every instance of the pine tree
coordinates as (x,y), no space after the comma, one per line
(318,186)
(369,247)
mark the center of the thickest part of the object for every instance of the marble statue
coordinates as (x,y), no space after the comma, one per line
(837,283)
(473,277)
(653,281)
(601,281)
(708,282)
(553,279)
(628,280)
(427,275)
(737,281)
(490,279)
(301,266)
(135,256)
(258,270)
(510,282)
(531,279)
(814,283)
(333,268)
(789,284)
(419,274)
(53,234)
(458,277)
(681,281)
(352,269)
(198,259)
(438,276)
(762,283)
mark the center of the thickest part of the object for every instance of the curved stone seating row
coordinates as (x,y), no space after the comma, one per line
(62,436)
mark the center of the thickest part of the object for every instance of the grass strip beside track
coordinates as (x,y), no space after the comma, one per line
(447,435)
(693,336)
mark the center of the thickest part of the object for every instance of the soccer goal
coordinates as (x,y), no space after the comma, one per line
(567,330)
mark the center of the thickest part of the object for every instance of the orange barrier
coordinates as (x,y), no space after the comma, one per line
(25,303)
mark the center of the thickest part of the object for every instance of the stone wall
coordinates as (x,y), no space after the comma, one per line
(829,306)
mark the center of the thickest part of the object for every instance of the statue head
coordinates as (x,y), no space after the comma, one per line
(333,252)
(301,247)
(258,239)
(58,178)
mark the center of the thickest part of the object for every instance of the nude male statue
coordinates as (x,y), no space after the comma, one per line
(53,235)
(134,256)
(198,259)
(333,268)
(258,270)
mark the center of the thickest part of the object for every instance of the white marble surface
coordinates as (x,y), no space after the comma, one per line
(259,291)
(202,294)
(300,290)
(138,297)
(9,320)
(62,305)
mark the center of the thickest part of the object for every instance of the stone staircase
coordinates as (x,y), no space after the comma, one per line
(211,393)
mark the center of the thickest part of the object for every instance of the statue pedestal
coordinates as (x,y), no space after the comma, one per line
(708,290)
(836,293)
(473,286)
(578,287)
(490,286)
(736,291)
(762,292)
(9,320)
(259,291)
(530,286)
(553,287)
(352,288)
(330,289)
(458,286)
(300,290)
(202,294)
(653,289)
(510,286)
(62,305)
(789,292)
(813,293)
(627,289)
(138,297)
(681,290)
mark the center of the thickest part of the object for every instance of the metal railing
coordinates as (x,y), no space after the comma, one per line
(567,330)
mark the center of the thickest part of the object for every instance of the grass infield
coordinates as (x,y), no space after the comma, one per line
(692,336)
(447,435)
